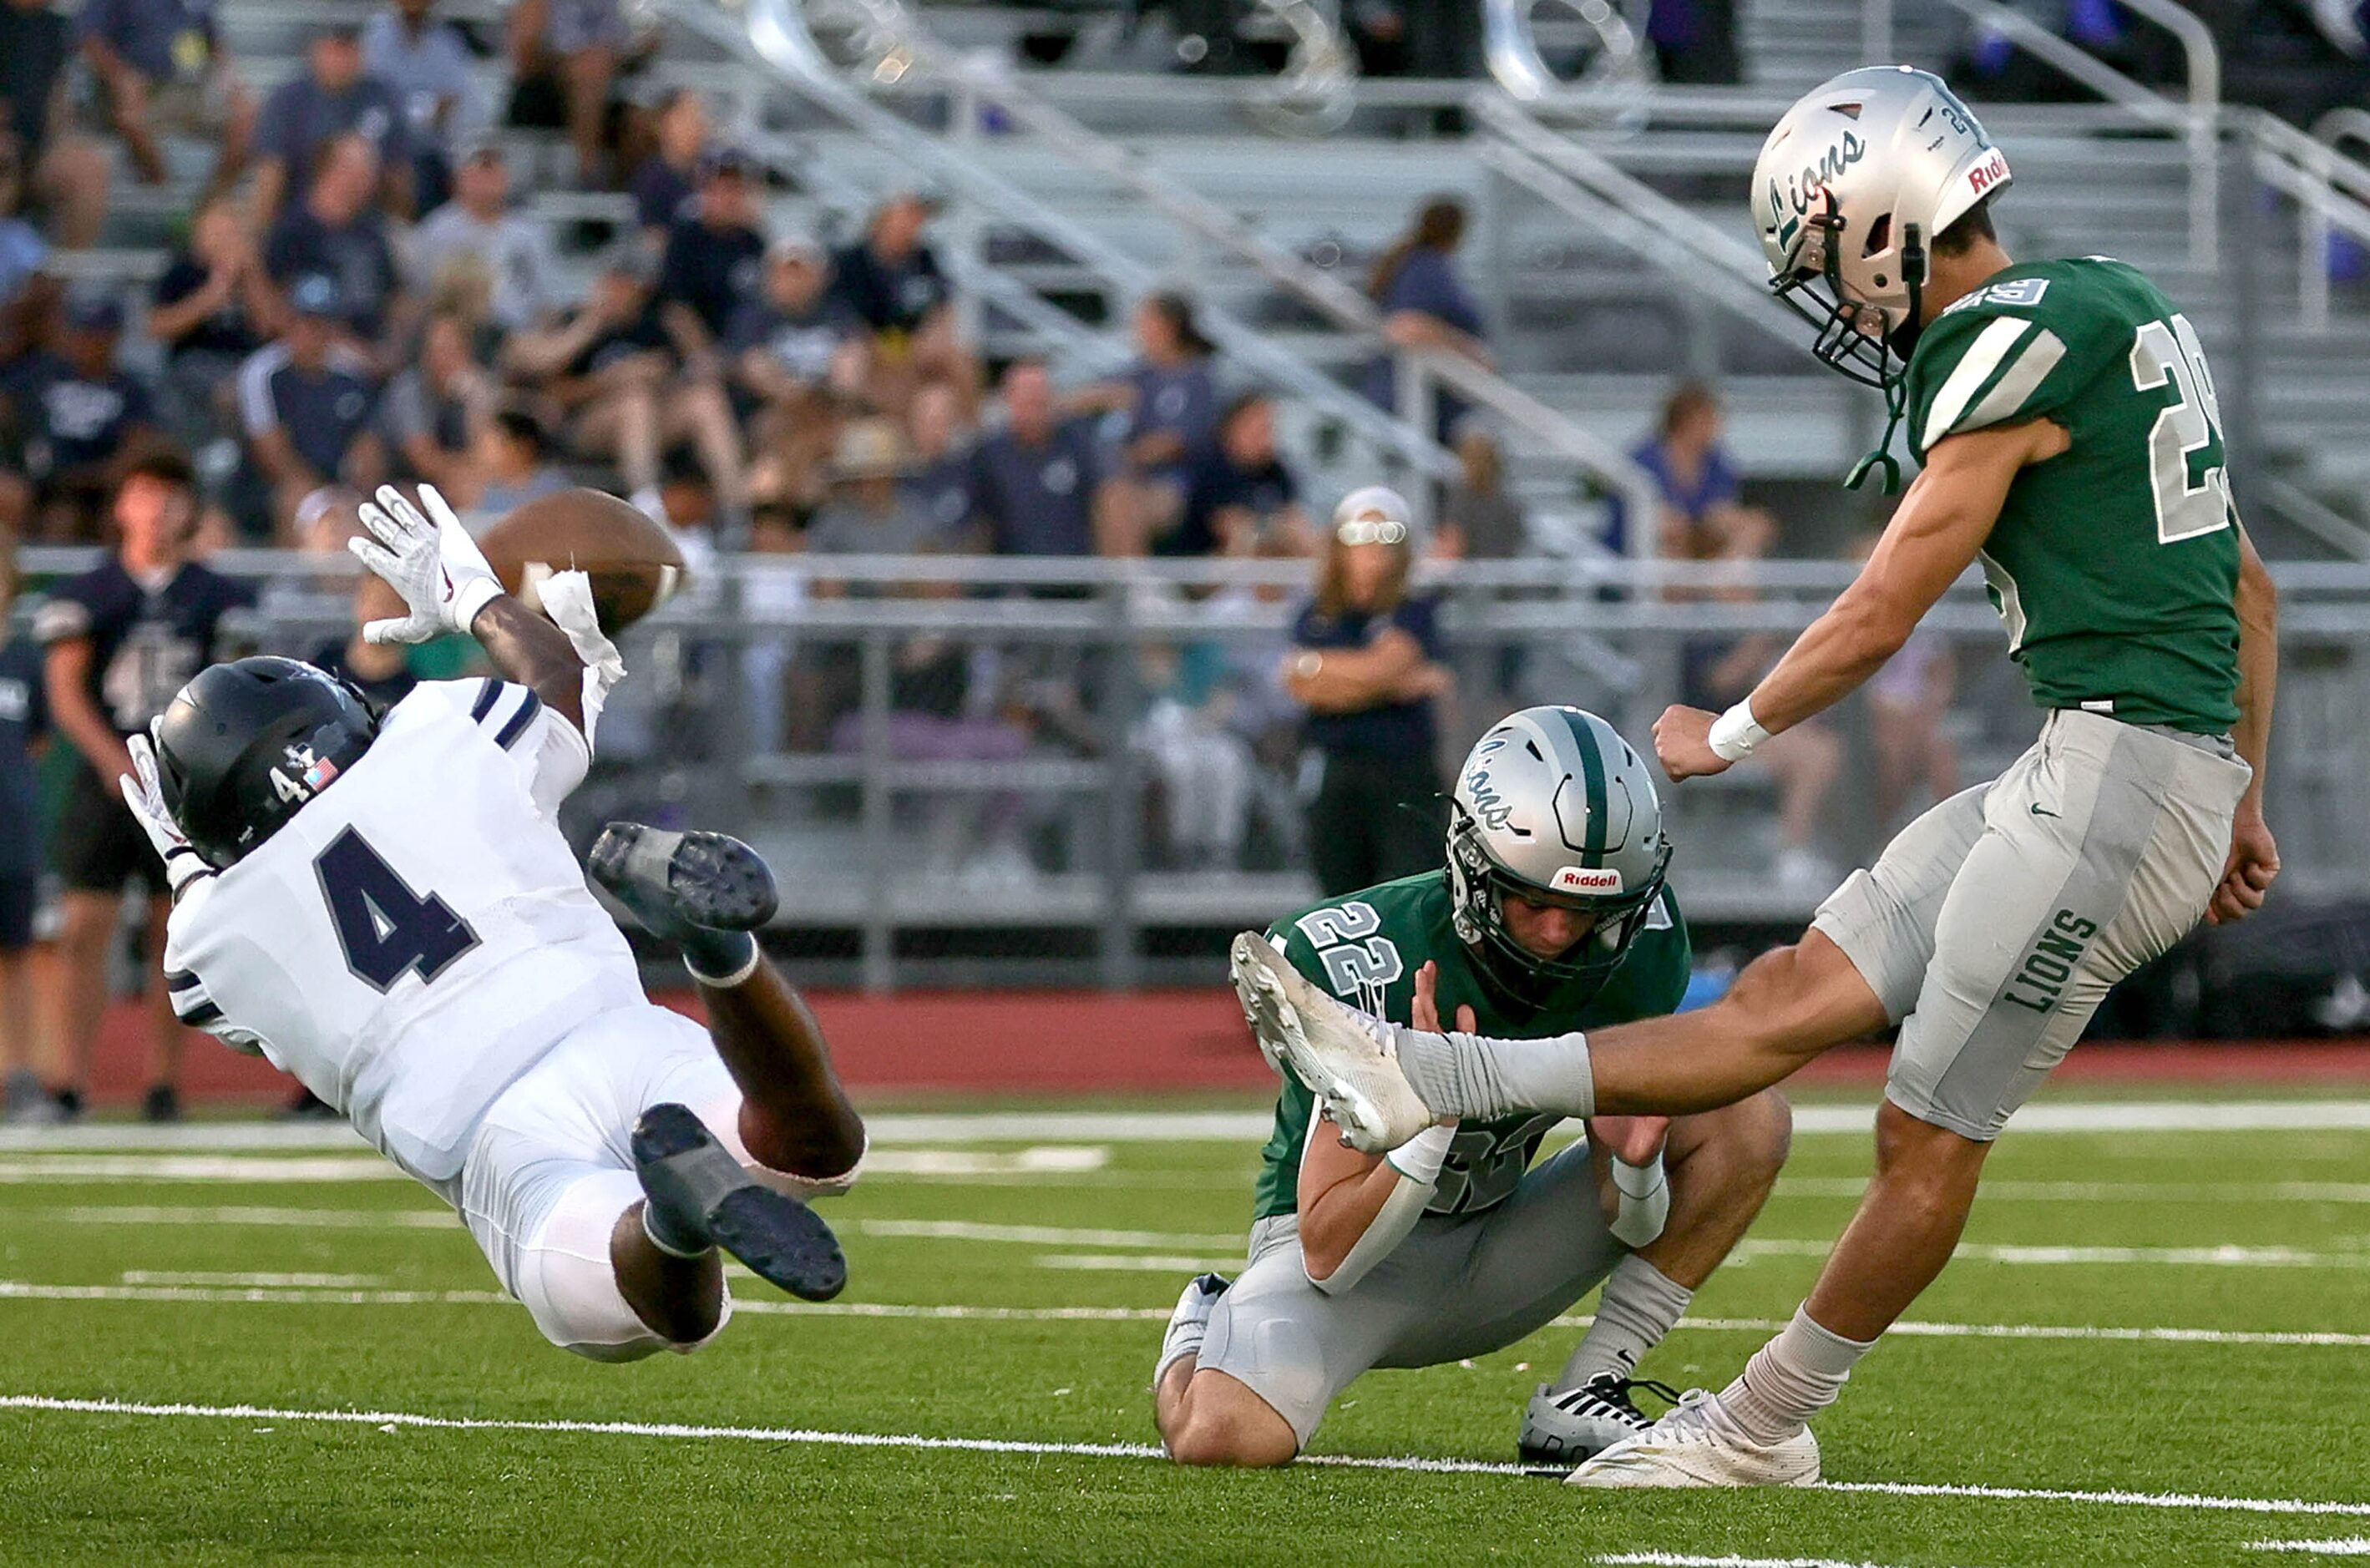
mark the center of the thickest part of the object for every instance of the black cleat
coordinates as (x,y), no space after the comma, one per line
(680,884)
(1562,1431)
(699,1189)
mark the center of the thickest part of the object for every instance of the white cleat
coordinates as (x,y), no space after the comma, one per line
(1699,1444)
(1341,1054)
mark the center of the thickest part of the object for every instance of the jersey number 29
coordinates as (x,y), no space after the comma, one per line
(385,927)
(2169,351)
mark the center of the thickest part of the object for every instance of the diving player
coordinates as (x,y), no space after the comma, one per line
(2070,440)
(385,908)
(1551,915)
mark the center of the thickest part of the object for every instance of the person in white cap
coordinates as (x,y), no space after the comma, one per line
(1366,662)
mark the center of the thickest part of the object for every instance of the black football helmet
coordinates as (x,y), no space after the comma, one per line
(244,745)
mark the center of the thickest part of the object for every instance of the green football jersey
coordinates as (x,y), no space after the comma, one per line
(1366,949)
(2113,564)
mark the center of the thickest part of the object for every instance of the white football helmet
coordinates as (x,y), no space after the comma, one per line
(1850,188)
(1553,805)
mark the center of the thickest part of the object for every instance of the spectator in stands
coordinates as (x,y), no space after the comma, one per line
(438,411)
(1908,706)
(1704,517)
(893,280)
(23,724)
(65,174)
(163,68)
(333,233)
(515,463)
(613,368)
(23,253)
(309,407)
(931,717)
(426,66)
(1171,397)
(939,482)
(1425,308)
(795,353)
(1367,664)
(666,186)
(210,309)
(513,250)
(564,56)
(120,641)
(331,99)
(1033,480)
(1204,767)
(75,411)
(714,258)
(1239,496)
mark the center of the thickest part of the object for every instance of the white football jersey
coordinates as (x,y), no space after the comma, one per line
(419,933)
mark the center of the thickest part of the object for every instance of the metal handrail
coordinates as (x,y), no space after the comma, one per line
(776,35)
(1566,175)
(775,30)
(2199,120)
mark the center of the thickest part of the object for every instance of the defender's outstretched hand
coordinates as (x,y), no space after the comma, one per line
(145,797)
(438,568)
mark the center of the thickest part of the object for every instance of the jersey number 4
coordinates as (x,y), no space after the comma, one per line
(2168,351)
(385,927)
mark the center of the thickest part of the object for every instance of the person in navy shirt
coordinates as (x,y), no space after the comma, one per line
(117,643)
(1170,397)
(333,233)
(714,258)
(1368,665)
(1425,305)
(1704,515)
(1240,499)
(73,412)
(164,69)
(23,722)
(309,408)
(1033,481)
(330,98)
(893,280)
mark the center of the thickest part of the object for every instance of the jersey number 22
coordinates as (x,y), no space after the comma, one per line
(385,927)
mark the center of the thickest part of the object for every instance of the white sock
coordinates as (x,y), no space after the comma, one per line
(1481,1079)
(1639,1305)
(1791,1378)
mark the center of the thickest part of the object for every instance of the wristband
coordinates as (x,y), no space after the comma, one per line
(1637,1182)
(1736,733)
(1420,1156)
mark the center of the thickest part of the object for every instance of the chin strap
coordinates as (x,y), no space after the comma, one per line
(1896,398)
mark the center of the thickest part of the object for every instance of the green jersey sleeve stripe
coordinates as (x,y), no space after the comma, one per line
(2034,361)
(1968,377)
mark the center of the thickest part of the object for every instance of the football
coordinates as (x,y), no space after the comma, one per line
(634,565)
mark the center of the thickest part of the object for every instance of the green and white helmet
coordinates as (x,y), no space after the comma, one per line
(1552,804)
(1849,191)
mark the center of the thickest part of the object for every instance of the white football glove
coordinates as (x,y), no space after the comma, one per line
(436,566)
(145,798)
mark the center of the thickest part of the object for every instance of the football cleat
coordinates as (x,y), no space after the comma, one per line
(1562,1430)
(1342,1056)
(1190,1322)
(700,1191)
(1700,1445)
(680,884)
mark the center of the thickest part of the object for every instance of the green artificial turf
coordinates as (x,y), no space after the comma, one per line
(2262,1422)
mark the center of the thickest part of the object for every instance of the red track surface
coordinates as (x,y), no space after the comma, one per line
(1040,1043)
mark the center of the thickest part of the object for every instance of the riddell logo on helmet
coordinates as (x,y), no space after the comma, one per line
(1581,879)
(1988,173)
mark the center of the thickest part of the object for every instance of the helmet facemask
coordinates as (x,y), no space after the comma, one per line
(1868,339)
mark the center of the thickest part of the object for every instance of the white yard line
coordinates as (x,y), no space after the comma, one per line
(2351,1546)
(235,1276)
(2010,1190)
(30,1290)
(1038,1235)
(395,1421)
(1244,1126)
(1692,1559)
(2226,1255)
(197,1168)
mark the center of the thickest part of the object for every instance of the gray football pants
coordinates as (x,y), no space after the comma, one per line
(1992,927)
